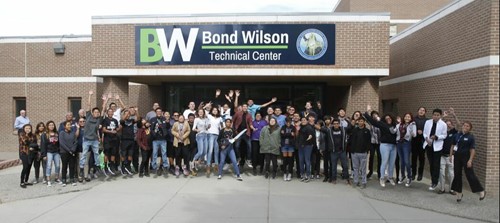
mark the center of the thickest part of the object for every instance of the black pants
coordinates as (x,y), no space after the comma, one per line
(397,164)
(145,155)
(288,165)
(182,153)
(271,158)
(327,163)
(135,157)
(297,162)
(434,164)
(257,157)
(315,161)
(459,163)
(68,159)
(37,162)
(375,148)
(417,154)
(27,160)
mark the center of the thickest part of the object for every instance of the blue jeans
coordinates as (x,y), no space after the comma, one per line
(305,159)
(248,141)
(57,160)
(229,151)
(164,159)
(404,150)
(202,141)
(335,156)
(213,147)
(95,149)
(389,153)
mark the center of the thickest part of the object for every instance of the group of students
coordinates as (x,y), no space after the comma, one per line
(223,131)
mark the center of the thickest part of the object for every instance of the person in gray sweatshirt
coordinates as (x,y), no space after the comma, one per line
(68,141)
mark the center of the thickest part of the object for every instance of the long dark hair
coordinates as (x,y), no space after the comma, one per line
(47,127)
(393,121)
(37,132)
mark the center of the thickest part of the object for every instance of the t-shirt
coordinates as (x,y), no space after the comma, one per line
(117,114)
(91,126)
(187,112)
(337,140)
(448,141)
(128,129)
(464,142)
(253,109)
(110,124)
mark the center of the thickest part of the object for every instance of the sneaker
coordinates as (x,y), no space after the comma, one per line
(249,164)
(441,192)
(382,182)
(110,171)
(64,183)
(49,184)
(28,184)
(334,181)
(23,185)
(363,186)
(35,181)
(74,183)
(159,171)
(285,177)
(306,180)
(146,174)
(317,177)
(392,182)
(58,181)
(219,177)
(128,171)
(266,175)
(273,175)
(238,178)
(141,175)
(419,178)
(185,171)
(302,179)
(408,182)
(44,181)
(432,187)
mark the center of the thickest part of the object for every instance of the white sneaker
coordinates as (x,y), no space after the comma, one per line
(73,184)
(289,178)
(226,167)
(49,184)
(285,177)
(392,182)
(382,182)
(249,164)
(408,182)
(219,177)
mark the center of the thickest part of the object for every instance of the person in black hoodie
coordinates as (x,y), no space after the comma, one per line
(417,153)
(360,146)
(306,140)
(335,143)
(68,141)
(387,144)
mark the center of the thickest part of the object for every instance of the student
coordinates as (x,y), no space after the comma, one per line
(387,144)
(189,110)
(326,153)
(253,108)
(417,153)
(308,111)
(127,146)
(39,130)
(434,135)
(192,144)
(296,123)
(79,147)
(306,141)
(144,141)
(406,130)
(287,148)
(360,147)
(181,131)
(27,146)
(464,148)
(159,126)
(69,118)
(110,128)
(201,125)
(257,158)
(226,149)
(92,122)
(68,140)
(151,114)
(170,139)
(318,146)
(446,162)
(270,141)
(375,147)
(243,120)
(51,149)
(336,143)
(279,116)
(212,134)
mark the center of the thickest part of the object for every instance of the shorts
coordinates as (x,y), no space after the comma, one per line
(110,148)
(127,148)
(287,149)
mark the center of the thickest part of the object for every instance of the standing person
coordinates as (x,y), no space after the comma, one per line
(434,135)
(446,162)
(308,111)
(319,111)
(110,128)
(69,118)
(27,147)
(269,114)
(151,114)
(181,131)
(336,143)
(127,146)
(279,116)
(305,142)
(68,140)
(39,158)
(387,144)
(170,138)
(189,110)
(344,121)
(406,130)
(360,147)
(270,141)
(243,120)
(51,149)
(296,123)
(375,147)
(144,141)
(319,146)
(417,153)
(226,149)
(90,138)
(201,126)
(21,121)
(257,158)
(213,133)
(159,126)
(192,144)
(287,148)
(79,147)
(325,152)
(253,108)
(464,148)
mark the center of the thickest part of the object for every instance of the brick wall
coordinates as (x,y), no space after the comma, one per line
(343,6)
(399,9)
(143,96)
(364,91)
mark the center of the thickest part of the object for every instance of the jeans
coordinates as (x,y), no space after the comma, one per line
(247,140)
(305,159)
(445,163)
(164,159)
(213,148)
(404,149)
(359,166)
(57,160)
(95,149)
(229,151)
(460,163)
(335,156)
(202,141)
(389,153)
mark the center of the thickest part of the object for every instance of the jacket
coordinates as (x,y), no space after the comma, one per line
(176,132)
(270,142)
(329,144)
(159,128)
(67,142)
(411,132)
(238,119)
(387,132)
(441,134)
(360,140)
(143,138)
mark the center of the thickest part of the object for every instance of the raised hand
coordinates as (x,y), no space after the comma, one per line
(217,93)
(237,93)
(104,97)
(231,93)
(117,97)
(110,95)
(274,99)
(451,111)
(91,92)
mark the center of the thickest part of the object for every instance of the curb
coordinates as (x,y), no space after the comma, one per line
(9,163)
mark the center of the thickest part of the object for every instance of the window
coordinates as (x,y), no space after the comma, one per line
(19,104)
(390,106)
(75,104)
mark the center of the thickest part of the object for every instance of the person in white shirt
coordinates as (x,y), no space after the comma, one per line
(435,132)
(213,133)
(20,121)
(190,110)
(201,126)
(406,130)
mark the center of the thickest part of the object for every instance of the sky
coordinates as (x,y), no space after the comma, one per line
(66,17)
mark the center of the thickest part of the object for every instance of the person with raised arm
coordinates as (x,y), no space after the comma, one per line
(447,163)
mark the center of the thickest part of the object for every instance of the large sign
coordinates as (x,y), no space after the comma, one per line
(235,44)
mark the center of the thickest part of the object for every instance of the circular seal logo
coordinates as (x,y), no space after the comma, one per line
(312,44)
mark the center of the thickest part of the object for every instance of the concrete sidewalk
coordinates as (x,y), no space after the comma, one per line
(210,200)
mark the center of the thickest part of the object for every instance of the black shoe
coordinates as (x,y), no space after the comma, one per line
(255,171)
(412,178)
(274,175)
(484,195)
(141,175)
(267,175)
(419,178)
(369,174)
(460,199)
(441,192)
(146,174)
(330,180)
(28,184)
(23,185)
(326,179)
